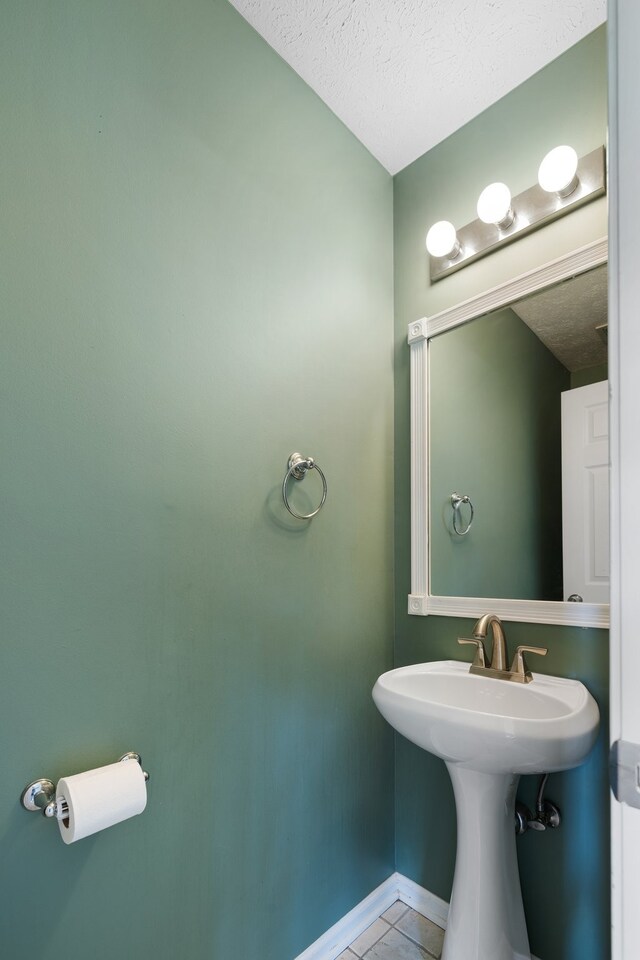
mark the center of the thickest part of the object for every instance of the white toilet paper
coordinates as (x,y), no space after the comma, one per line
(99,798)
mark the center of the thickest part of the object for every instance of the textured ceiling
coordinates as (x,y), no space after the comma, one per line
(404,74)
(566,316)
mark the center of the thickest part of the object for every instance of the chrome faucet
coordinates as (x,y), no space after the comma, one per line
(498,667)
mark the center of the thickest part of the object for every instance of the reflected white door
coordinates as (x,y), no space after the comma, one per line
(585,492)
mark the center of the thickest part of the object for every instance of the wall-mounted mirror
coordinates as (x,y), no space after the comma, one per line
(510,410)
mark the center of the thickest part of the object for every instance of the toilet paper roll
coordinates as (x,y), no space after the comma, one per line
(100,798)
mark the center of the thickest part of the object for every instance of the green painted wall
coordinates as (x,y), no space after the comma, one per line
(196,275)
(494,434)
(565,875)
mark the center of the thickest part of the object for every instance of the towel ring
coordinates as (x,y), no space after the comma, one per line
(298,468)
(456,502)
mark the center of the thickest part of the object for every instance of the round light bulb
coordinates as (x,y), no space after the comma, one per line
(442,240)
(557,172)
(494,205)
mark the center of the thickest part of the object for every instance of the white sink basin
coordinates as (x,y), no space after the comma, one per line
(488,731)
(480,723)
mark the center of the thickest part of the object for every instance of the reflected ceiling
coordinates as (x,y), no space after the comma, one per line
(566,319)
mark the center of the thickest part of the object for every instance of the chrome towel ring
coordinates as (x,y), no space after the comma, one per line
(298,466)
(456,502)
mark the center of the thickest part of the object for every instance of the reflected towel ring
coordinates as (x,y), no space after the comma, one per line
(456,501)
(298,468)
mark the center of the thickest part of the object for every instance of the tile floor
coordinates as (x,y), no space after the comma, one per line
(399,934)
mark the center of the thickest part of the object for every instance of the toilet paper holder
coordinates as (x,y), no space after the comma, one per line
(41,794)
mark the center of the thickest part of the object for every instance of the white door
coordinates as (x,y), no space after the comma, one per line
(624,377)
(585,492)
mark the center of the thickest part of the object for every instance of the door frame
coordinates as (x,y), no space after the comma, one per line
(624,405)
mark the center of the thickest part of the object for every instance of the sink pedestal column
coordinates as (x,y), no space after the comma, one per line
(486,917)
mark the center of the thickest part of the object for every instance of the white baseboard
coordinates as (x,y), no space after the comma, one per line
(426,903)
(332,943)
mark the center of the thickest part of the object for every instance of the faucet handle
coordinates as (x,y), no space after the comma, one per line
(519,665)
(480,659)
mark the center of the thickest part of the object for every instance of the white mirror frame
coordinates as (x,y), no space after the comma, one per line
(421,601)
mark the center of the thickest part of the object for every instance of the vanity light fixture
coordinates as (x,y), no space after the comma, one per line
(442,240)
(494,205)
(565,182)
(557,172)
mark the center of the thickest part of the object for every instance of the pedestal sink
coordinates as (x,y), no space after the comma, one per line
(488,732)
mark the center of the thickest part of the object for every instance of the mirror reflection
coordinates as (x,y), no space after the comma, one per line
(519,425)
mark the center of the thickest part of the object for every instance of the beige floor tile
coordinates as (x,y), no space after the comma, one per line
(395,946)
(347,955)
(423,931)
(369,937)
(395,911)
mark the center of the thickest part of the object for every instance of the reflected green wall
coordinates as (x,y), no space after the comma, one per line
(196,275)
(495,434)
(565,875)
(582,378)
